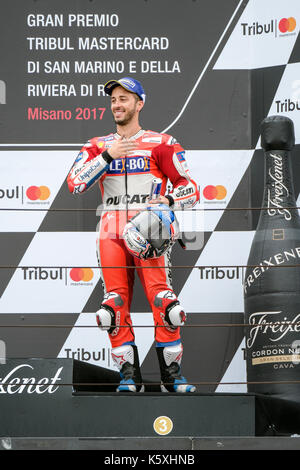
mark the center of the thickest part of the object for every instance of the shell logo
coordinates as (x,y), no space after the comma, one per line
(211,192)
(38,192)
(81,274)
(287,25)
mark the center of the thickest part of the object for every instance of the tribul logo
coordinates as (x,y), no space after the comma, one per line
(287,105)
(35,193)
(82,354)
(287,25)
(257,28)
(218,192)
(215,273)
(81,275)
(42,274)
(11,193)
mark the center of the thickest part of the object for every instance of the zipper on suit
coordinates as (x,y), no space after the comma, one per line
(126,188)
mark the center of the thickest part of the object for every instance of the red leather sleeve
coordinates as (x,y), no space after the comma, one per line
(163,155)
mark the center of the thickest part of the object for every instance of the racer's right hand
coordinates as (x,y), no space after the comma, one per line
(122,147)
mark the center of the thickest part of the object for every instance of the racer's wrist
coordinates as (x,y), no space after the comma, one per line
(107,157)
(170,199)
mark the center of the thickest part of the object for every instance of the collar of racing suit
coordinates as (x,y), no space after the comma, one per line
(133,137)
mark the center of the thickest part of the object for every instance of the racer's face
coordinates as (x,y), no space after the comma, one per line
(125,106)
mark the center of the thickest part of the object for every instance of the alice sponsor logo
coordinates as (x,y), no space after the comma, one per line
(12,383)
(276,330)
(278,191)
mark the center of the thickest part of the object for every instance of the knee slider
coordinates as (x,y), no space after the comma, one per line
(106,318)
(174,315)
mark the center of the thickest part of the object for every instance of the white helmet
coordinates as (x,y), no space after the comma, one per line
(151,232)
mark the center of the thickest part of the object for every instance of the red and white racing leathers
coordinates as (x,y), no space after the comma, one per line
(125,185)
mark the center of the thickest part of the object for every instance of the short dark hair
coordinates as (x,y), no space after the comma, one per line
(137,98)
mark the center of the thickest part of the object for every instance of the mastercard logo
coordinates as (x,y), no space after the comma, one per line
(287,25)
(35,193)
(81,274)
(211,192)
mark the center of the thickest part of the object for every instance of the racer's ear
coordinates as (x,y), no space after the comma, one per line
(140,105)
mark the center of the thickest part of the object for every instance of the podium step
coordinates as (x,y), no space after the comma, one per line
(38,398)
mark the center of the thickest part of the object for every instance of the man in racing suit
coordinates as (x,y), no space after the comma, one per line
(124,165)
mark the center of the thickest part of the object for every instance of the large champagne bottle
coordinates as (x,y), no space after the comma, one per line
(272,278)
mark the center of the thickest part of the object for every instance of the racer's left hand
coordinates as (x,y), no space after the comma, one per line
(159,200)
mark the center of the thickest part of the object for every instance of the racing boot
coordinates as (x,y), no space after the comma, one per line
(127,361)
(169,358)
